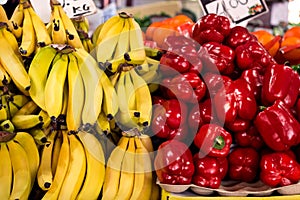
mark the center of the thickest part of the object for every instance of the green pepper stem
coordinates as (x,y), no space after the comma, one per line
(219,143)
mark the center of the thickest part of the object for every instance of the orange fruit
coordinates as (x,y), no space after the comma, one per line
(292,32)
(268,40)
(162,32)
(150,30)
(290,48)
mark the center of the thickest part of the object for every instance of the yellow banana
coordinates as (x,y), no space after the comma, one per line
(13,109)
(142,173)
(7,125)
(44,173)
(130,94)
(110,99)
(4,76)
(135,56)
(55,85)
(5,172)
(123,41)
(150,76)
(21,171)
(56,150)
(61,169)
(3,16)
(11,39)
(28,144)
(127,172)
(143,68)
(147,142)
(39,135)
(105,27)
(18,15)
(92,86)
(3,114)
(96,33)
(26,121)
(29,108)
(95,171)
(112,171)
(102,124)
(58,32)
(75,96)
(42,35)
(19,100)
(106,48)
(13,66)
(76,170)
(28,43)
(143,98)
(38,72)
(46,118)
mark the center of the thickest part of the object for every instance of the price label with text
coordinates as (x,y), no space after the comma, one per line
(75,8)
(236,10)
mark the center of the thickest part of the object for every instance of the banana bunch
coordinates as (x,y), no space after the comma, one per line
(82,26)
(18,164)
(61,28)
(129,170)
(72,166)
(28,27)
(68,82)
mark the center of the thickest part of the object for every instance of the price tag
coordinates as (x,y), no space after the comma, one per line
(2,2)
(76,8)
(236,10)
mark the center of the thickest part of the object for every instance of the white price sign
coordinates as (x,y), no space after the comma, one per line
(75,8)
(2,2)
(236,10)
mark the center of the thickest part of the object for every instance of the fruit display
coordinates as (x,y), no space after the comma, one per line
(125,112)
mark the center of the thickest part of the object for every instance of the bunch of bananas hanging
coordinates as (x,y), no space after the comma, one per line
(29,29)
(72,166)
(129,169)
(68,82)
(61,28)
(82,26)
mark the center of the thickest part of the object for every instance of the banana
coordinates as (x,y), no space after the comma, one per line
(38,135)
(75,96)
(21,171)
(46,118)
(29,108)
(76,170)
(152,52)
(19,100)
(143,68)
(13,109)
(143,98)
(147,142)
(11,39)
(56,150)
(42,35)
(38,72)
(61,168)
(96,32)
(135,56)
(150,76)
(127,172)
(95,171)
(102,124)
(13,66)
(28,43)
(58,32)
(130,94)
(106,48)
(92,86)
(72,35)
(28,144)
(44,173)
(3,16)
(5,172)
(26,121)
(105,27)
(3,114)
(110,99)
(7,125)
(4,76)
(55,85)
(123,41)
(17,15)
(142,172)
(112,171)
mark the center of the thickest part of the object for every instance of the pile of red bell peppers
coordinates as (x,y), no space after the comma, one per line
(225,110)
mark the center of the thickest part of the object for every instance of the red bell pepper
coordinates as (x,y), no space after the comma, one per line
(238,36)
(249,138)
(172,64)
(213,140)
(185,29)
(215,82)
(210,28)
(235,102)
(298,109)
(281,82)
(173,163)
(278,127)
(169,120)
(279,169)
(252,55)
(220,58)
(209,171)
(243,164)
(254,80)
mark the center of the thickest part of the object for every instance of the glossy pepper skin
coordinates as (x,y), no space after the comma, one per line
(215,82)
(169,119)
(278,127)
(280,82)
(279,169)
(252,55)
(249,138)
(239,35)
(213,140)
(211,27)
(174,163)
(235,102)
(243,164)
(172,64)
(209,171)
(254,80)
(219,55)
